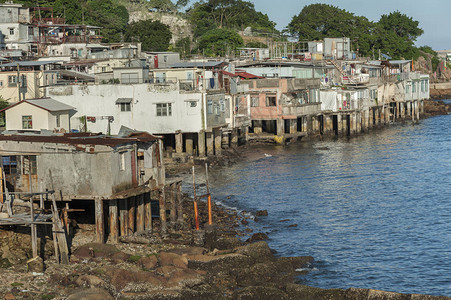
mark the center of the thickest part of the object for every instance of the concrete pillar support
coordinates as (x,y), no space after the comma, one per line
(201,143)
(293,125)
(210,143)
(178,142)
(280,127)
(189,143)
(218,141)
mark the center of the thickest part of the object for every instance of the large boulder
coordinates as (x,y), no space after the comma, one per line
(260,293)
(297,262)
(298,291)
(91,294)
(95,251)
(264,273)
(221,263)
(259,251)
(172,259)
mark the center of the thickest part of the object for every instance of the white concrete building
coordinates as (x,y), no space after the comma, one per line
(185,119)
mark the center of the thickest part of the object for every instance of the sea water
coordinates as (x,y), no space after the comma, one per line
(374,210)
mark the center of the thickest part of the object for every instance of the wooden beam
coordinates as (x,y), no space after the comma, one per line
(179,204)
(147,212)
(123,216)
(163,218)
(100,226)
(114,226)
(131,215)
(140,213)
(34,232)
(173,198)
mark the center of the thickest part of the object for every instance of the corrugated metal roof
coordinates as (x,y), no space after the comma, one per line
(197,64)
(30,63)
(81,139)
(123,100)
(49,104)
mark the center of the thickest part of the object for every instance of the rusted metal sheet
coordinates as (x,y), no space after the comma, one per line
(131,215)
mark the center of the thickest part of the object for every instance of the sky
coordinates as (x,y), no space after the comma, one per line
(434,15)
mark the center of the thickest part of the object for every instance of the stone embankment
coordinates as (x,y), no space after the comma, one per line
(440,91)
(435,108)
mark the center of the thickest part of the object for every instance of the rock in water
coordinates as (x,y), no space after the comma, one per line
(261,213)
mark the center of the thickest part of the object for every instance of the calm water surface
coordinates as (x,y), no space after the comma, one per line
(374,211)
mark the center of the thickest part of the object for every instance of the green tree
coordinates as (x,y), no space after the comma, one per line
(153,35)
(229,14)
(217,42)
(396,35)
(163,5)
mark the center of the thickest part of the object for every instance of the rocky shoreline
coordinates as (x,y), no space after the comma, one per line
(151,266)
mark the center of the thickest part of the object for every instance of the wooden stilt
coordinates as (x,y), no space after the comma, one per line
(163,219)
(100,226)
(131,215)
(114,226)
(60,233)
(123,216)
(34,233)
(179,204)
(148,212)
(140,213)
(173,198)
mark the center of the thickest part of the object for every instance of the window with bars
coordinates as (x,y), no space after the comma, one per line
(271,100)
(254,101)
(164,109)
(125,107)
(29,165)
(10,164)
(27,122)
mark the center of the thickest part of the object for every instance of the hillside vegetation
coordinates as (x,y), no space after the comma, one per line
(211,27)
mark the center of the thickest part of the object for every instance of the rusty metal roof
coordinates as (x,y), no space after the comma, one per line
(81,138)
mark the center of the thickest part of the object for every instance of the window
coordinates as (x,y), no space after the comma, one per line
(222,105)
(11,31)
(122,161)
(29,165)
(12,80)
(27,122)
(103,69)
(414,87)
(164,109)
(1,82)
(192,103)
(271,100)
(58,121)
(254,101)
(10,164)
(209,106)
(30,30)
(373,94)
(126,106)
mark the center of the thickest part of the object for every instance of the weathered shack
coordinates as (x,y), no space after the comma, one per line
(81,165)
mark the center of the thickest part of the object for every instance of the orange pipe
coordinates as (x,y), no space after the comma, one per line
(210,218)
(196,215)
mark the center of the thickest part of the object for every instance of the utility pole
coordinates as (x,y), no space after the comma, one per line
(18,80)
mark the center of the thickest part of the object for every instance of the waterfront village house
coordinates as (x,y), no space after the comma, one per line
(81,165)
(189,121)
(25,79)
(283,107)
(38,114)
(161,60)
